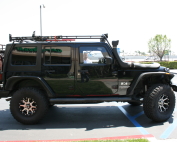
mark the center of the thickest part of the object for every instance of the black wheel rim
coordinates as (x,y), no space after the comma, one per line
(28,106)
(163,103)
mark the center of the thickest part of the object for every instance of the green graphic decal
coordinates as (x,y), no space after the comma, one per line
(52,50)
(35,50)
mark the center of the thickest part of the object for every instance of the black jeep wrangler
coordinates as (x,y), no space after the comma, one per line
(40,71)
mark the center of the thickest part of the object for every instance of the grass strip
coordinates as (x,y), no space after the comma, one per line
(128,140)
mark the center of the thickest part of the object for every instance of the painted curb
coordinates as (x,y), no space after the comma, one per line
(90,139)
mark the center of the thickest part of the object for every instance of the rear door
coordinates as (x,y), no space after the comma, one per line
(58,68)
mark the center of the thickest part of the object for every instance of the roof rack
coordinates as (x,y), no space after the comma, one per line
(102,38)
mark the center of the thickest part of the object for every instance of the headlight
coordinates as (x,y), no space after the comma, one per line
(167,69)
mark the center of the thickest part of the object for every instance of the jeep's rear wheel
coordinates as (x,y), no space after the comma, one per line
(28,105)
(159,102)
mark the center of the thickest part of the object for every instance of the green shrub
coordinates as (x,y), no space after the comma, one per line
(171,64)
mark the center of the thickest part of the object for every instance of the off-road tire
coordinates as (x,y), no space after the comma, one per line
(19,103)
(159,102)
(135,103)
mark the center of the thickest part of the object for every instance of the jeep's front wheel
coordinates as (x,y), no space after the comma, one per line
(159,102)
(28,105)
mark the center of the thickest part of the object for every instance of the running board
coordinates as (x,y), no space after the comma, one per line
(90,100)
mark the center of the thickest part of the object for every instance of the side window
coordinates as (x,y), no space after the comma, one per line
(57,55)
(24,56)
(92,55)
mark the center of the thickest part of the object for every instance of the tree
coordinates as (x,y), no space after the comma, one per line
(137,52)
(159,44)
(143,53)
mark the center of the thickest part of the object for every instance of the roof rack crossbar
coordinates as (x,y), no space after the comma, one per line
(45,38)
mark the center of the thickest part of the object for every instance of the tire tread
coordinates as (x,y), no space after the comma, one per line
(148,103)
(39,95)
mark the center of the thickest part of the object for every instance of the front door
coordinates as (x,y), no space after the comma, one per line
(94,76)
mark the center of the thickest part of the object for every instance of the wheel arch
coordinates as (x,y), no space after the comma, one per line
(165,78)
(16,82)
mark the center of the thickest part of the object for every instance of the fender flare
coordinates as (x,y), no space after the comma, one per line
(13,80)
(130,91)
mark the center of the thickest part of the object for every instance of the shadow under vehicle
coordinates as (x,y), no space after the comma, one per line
(40,71)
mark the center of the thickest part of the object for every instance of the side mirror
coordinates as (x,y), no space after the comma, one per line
(115,43)
(108,60)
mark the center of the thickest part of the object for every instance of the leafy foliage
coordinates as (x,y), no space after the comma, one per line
(159,45)
(171,65)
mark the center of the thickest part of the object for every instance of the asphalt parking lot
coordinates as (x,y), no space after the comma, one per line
(87,121)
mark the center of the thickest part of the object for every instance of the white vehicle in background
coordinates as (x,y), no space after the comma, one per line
(151,58)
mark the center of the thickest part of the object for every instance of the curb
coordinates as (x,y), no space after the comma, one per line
(149,136)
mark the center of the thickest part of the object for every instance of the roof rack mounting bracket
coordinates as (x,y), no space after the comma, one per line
(102,38)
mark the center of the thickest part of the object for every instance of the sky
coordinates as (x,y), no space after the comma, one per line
(132,22)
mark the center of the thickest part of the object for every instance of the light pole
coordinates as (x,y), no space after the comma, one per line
(41,18)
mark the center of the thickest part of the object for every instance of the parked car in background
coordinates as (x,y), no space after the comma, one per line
(151,58)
